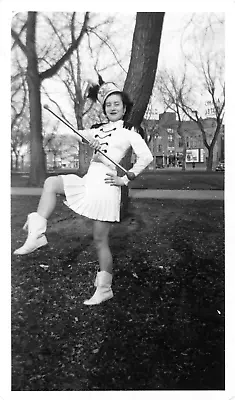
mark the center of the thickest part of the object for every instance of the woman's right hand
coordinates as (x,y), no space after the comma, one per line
(95,144)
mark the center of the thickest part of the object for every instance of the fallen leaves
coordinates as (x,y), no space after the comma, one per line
(164,325)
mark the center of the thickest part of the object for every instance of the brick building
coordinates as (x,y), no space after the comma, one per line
(167,146)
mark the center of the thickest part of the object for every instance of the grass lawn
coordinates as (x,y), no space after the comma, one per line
(164,328)
(170,179)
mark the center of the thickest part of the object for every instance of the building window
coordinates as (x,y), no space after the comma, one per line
(159,147)
(181,143)
(170,138)
(170,130)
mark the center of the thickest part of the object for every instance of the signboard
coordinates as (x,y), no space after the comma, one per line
(210,109)
(194,155)
(202,155)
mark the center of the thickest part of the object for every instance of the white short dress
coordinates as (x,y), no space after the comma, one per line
(90,196)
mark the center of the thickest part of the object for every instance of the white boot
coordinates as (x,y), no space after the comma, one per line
(96,280)
(36,228)
(103,291)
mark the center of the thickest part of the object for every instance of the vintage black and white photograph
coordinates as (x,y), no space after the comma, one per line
(117,175)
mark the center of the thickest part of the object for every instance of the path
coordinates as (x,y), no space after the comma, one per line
(146,193)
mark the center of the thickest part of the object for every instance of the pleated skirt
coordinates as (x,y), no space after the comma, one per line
(90,196)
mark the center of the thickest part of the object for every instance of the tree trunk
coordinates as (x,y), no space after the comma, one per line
(38,162)
(125,199)
(16,162)
(54,161)
(83,158)
(85,151)
(12,164)
(34,79)
(141,74)
(22,163)
(184,157)
(182,135)
(209,162)
(212,145)
(143,63)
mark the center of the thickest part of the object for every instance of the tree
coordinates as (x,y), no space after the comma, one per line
(62,147)
(18,95)
(218,102)
(202,75)
(149,125)
(170,89)
(143,64)
(141,74)
(34,81)
(206,57)
(71,76)
(19,109)
(19,138)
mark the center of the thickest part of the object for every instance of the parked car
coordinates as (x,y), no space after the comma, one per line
(220,167)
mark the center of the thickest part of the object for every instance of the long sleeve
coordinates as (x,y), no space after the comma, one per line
(143,154)
(115,141)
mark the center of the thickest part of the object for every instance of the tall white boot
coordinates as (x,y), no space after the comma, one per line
(36,228)
(103,291)
(96,279)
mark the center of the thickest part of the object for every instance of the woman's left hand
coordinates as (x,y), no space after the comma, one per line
(114,180)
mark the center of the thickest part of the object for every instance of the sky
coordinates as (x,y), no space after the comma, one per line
(171,55)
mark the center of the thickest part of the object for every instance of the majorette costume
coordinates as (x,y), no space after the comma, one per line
(90,196)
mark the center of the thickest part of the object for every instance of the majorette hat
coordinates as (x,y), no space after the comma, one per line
(105,90)
(102,91)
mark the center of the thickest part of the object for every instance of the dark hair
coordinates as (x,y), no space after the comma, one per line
(126,102)
(93,93)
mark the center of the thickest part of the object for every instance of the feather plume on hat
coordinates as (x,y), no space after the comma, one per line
(101,90)
(94,88)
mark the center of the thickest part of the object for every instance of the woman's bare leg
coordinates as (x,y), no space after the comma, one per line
(52,186)
(104,276)
(101,240)
(37,221)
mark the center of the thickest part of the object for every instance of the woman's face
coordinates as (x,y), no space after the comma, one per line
(114,107)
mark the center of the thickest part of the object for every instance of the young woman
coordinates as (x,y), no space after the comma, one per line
(97,195)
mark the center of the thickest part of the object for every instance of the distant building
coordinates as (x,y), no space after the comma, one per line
(163,140)
(166,144)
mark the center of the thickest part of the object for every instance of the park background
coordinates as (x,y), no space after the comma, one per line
(227,175)
(188,89)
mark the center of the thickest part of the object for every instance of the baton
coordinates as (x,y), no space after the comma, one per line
(130,175)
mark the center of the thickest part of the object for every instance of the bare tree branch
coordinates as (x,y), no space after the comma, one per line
(57,105)
(110,48)
(55,68)
(16,37)
(17,115)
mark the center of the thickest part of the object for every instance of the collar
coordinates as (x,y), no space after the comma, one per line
(111,125)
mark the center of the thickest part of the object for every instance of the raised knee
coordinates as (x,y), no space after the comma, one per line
(50,183)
